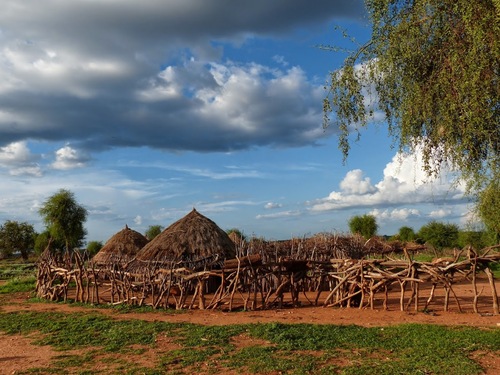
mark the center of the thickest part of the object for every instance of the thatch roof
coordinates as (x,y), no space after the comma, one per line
(122,247)
(193,237)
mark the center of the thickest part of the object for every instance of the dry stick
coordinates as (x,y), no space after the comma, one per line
(402,297)
(169,285)
(491,279)
(235,285)
(163,290)
(348,297)
(413,290)
(201,285)
(474,285)
(337,287)
(386,296)
(372,293)
(319,289)
(362,285)
(431,296)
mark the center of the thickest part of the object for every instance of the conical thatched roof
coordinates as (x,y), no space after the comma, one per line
(193,237)
(122,247)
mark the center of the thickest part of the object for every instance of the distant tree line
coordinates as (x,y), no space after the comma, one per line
(439,235)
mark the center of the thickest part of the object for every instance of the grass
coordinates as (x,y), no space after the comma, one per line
(283,348)
(12,268)
(19,284)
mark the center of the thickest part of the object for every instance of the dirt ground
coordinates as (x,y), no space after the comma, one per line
(18,354)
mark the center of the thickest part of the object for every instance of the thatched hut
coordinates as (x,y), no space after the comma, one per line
(121,248)
(190,239)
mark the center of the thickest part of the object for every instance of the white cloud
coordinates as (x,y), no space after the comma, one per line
(19,160)
(439,214)
(279,215)
(404,182)
(70,158)
(272,205)
(399,214)
(355,183)
(138,220)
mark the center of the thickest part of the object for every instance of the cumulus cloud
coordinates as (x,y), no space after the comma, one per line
(398,214)
(439,214)
(70,158)
(19,160)
(404,182)
(154,74)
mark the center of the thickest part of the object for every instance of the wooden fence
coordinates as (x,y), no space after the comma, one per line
(254,281)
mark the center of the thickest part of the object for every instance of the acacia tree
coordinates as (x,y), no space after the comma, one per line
(432,69)
(153,231)
(15,236)
(64,218)
(440,235)
(365,225)
(406,234)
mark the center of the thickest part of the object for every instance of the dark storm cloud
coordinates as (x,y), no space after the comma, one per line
(105,74)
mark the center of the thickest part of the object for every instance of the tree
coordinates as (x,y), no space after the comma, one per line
(488,208)
(365,225)
(93,247)
(64,218)
(432,69)
(153,231)
(406,234)
(15,236)
(439,235)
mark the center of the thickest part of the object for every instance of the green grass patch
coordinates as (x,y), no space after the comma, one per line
(287,348)
(19,284)
(11,268)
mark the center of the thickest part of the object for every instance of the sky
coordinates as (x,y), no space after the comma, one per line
(148,109)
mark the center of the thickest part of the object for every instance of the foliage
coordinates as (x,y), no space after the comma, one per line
(153,231)
(15,236)
(476,239)
(440,235)
(93,247)
(284,348)
(488,208)
(406,234)
(365,225)
(431,68)
(64,218)
(42,241)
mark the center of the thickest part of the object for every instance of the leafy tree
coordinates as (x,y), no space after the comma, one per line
(440,235)
(15,236)
(64,218)
(406,234)
(153,231)
(365,225)
(472,238)
(432,69)
(93,247)
(488,208)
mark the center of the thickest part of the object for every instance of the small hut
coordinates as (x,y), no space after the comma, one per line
(121,248)
(190,239)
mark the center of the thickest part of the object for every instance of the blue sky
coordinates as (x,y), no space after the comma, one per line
(146,109)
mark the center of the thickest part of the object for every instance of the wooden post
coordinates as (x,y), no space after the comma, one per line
(494,294)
